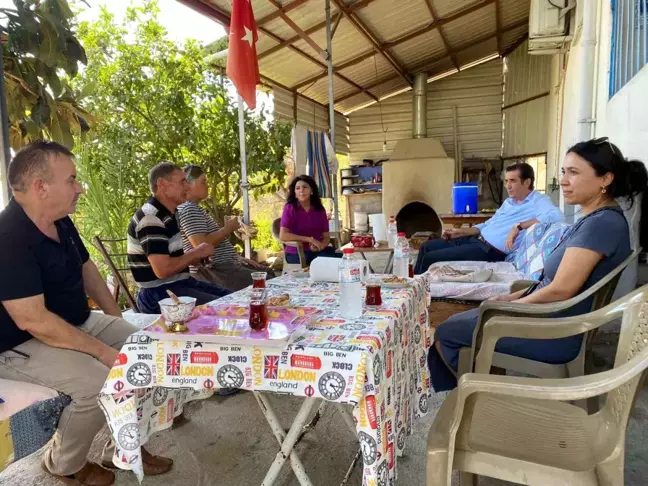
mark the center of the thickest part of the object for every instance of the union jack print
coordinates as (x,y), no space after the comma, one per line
(173,364)
(271,367)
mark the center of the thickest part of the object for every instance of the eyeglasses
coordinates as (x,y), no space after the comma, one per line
(605,140)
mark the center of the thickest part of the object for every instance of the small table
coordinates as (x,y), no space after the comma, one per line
(382,247)
(458,220)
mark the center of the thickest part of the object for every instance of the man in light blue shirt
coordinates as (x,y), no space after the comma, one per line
(494,239)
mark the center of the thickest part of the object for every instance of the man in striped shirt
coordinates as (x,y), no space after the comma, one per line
(226,266)
(155,255)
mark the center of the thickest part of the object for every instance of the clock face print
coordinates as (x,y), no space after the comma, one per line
(423,404)
(369,449)
(139,375)
(331,385)
(381,472)
(128,437)
(417,334)
(378,370)
(353,327)
(230,377)
(160,396)
(401,439)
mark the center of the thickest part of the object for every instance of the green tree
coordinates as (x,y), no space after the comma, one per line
(155,100)
(40,53)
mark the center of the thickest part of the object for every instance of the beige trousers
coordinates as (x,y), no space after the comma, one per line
(75,374)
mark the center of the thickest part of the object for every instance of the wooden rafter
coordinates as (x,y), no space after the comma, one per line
(208,11)
(283,9)
(367,33)
(427,65)
(299,31)
(324,73)
(498,26)
(446,45)
(439,23)
(294,39)
(336,24)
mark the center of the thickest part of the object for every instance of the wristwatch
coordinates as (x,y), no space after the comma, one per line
(519,226)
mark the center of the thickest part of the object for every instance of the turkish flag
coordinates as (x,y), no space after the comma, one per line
(242,63)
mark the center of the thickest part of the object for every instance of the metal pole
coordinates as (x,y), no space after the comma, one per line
(5,153)
(244,181)
(334,177)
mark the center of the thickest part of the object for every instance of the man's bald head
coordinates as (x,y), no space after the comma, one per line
(33,162)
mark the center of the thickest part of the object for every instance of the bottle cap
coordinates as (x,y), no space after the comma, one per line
(348,251)
(401,234)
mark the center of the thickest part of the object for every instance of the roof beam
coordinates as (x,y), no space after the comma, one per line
(359,5)
(425,67)
(323,54)
(446,45)
(439,23)
(342,66)
(283,9)
(498,26)
(290,41)
(372,39)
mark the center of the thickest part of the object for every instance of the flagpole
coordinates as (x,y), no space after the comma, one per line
(244,181)
(334,177)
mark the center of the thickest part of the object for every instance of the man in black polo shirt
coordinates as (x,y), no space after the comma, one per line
(48,335)
(155,255)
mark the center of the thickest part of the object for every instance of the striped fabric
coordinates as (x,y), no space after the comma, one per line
(194,220)
(317,165)
(153,230)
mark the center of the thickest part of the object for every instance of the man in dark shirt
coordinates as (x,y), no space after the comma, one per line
(155,255)
(48,335)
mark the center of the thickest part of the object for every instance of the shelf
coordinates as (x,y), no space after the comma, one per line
(362,185)
(363,194)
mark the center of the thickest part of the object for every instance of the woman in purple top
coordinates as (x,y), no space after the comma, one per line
(304,220)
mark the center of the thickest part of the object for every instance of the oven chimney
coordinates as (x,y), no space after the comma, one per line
(419,117)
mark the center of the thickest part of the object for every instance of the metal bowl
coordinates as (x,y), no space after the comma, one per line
(173,312)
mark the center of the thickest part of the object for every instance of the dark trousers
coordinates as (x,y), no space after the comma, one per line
(460,249)
(312,255)
(204,292)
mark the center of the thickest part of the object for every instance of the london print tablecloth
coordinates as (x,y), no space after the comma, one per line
(376,362)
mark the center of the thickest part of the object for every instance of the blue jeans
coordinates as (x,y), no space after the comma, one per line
(204,292)
(329,251)
(467,249)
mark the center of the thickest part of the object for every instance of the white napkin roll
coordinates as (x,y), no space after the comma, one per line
(325,269)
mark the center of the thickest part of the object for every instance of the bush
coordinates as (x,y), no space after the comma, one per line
(264,239)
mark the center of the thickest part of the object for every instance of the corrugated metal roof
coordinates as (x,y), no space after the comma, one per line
(390,21)
(404,30)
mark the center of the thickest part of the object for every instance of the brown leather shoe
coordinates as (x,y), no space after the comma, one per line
(153,465)
(90,475)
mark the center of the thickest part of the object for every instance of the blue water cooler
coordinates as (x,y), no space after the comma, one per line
(464,198)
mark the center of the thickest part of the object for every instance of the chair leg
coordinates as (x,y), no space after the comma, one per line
(468,479)
(437,468)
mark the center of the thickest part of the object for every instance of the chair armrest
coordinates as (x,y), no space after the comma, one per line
(525,320)
(500,327)
(522,285)
(560,389)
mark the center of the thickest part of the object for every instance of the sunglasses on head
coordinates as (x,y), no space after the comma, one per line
(603,141)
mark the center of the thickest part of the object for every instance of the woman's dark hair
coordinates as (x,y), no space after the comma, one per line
(192,172)
(315,200)
(630,176)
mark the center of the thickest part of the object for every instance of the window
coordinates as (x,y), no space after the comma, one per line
(539,164)
(629,41)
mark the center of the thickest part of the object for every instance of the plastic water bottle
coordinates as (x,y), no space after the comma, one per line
(401,256)
(392,232)
(350,286)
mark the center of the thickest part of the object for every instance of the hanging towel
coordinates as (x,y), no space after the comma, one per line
(321,162)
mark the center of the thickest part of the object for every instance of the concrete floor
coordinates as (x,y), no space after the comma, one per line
(228,443)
